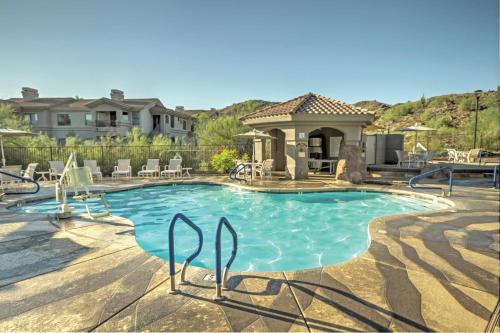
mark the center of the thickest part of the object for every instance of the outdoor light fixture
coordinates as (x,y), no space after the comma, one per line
(478,94)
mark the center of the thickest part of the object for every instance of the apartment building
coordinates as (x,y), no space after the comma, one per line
(60,117)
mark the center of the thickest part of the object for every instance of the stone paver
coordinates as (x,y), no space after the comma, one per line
(429,271)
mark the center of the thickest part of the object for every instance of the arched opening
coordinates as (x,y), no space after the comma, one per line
(278,149)
(325,142)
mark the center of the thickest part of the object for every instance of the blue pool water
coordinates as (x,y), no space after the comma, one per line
(276,232)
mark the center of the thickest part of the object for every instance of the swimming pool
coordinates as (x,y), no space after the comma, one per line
(276,231)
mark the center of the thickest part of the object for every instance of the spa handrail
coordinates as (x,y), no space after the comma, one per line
(24,180)
(171,263)
(234,171)
(221,279)
(412,181)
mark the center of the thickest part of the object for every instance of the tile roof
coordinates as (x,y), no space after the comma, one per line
(308,103)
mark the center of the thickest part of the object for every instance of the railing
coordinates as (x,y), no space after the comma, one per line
(171,264)
(496,170)
(221,279)
(411,182)
(110,123)
(237,169)
(24,180)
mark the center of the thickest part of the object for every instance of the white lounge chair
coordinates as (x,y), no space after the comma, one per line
(174,168)
(402,158)
(151,169)
(56,169)
(30,171)
(94,169)
(266,168)
(122,169)
(12,169)
(452,155)
(474,155)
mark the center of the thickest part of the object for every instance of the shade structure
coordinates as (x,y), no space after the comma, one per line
(417,128)
(254,135)
(8,133)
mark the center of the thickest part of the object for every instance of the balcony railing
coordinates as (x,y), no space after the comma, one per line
(108,123)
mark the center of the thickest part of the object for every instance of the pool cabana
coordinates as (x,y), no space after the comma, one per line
(296,121)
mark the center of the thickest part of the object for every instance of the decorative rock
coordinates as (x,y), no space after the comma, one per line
(351,165)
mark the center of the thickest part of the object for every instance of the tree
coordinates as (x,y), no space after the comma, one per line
(135,138)
(8,118)
(220,131)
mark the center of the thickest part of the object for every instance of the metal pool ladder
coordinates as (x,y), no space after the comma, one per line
(171,263)
(221,279)
(411,182)
(496,170)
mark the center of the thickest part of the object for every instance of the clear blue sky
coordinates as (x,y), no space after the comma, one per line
(205,54)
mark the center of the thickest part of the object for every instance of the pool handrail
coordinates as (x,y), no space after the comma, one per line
(171,254)
(24,180)
(496,171)
(221,278)
(411,182)
(234,171)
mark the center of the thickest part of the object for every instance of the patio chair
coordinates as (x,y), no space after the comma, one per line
(151,169)
(174,168)
(474,155)
(452,155)
(266,168)
(56,169)
(94,169)
(30,171)
(12,169)
(122,169)
(402,158)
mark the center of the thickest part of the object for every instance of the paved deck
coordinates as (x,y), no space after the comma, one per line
(436,271)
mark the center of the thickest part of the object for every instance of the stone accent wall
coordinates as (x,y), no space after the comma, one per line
(352,165)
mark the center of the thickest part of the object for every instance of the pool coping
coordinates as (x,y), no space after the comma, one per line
(377,227)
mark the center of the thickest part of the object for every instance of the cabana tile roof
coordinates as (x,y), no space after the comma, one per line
(308,103)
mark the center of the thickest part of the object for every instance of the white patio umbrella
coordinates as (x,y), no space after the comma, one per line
(254,135)
(7,132)
(417,128)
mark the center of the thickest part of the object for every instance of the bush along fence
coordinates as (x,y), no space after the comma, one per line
(197,157)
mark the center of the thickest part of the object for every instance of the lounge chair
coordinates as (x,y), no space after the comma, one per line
(452,155)
(122,169)
(174,168)
(402,158)
(56,169)
(94,169)
(12,169)
(266,168)
(30,171)
(151,169)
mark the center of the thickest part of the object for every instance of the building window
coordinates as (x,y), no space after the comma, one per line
(31,118)
(88,119)
(61,142)
(166,119)
(124,117)
(172,121)
(184,124)
(136,119)
(63,119)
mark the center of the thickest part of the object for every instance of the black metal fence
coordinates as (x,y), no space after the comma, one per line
(196,157)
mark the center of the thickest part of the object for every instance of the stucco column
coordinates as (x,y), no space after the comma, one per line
(296,153)
(260,150)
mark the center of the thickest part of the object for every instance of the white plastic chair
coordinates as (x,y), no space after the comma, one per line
(402,158)
(152,168)
(122,169)
(265,168)
(174,168)
(94,169)
(30,171)
(56,169)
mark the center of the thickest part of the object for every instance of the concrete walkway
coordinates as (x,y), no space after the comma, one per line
(436,271)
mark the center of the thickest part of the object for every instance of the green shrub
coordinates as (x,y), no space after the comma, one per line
(467,104)
(224,160)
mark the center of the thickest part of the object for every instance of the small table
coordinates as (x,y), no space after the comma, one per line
(185,172)
(43,175)
(331,164)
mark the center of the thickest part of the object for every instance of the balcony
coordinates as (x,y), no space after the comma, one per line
(109,125)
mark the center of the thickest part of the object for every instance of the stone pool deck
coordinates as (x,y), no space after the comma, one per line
(434,271)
